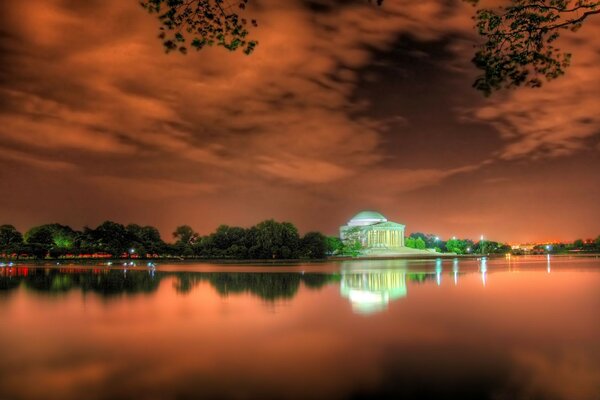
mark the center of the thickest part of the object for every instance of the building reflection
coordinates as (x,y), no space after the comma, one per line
(483,270)
(371,291)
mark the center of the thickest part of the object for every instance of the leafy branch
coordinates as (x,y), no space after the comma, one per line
(208,22)
(519,41)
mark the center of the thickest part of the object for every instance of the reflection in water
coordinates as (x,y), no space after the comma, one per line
(371,291)
(455,270)
(369,287)
(483,269)
(149,334)
(372,285)
(113,282)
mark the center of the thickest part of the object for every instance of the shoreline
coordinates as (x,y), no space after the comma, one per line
(116,262)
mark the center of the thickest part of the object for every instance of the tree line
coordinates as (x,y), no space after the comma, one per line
(267,240)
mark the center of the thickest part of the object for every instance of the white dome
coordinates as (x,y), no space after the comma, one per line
(365,218)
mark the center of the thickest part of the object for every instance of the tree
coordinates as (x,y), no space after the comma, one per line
(352,244)
(519,41)
(42,234)
(313,245)
(271,239)
(456,246)
(9,236)
(111,237)
(419,243)
(431,240)
(11,239)
(334,245)
(185,234)
(145,239)
(517,49)
(578,244)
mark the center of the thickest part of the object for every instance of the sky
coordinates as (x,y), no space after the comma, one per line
(343,107)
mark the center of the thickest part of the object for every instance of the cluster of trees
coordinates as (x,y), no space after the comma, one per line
(420,240)
(577,246)
(266,240)
(56,240)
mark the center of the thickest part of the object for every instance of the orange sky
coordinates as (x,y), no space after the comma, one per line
(338,110)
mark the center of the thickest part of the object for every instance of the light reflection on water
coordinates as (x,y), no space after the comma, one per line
(455,328)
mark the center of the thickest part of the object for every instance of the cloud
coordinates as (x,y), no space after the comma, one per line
(112,90)
(560,118)
(86,86)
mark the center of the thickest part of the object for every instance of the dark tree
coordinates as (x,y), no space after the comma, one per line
(313,245)
(519,41)
(185,234)
(145,239)
(9,236)
(112,238)
(273,239)
(11,240)
(42,235)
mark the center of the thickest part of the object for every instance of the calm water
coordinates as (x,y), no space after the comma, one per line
(521,329)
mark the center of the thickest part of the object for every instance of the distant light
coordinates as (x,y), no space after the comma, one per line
(437,238)
(481,237)
(132,251)
(468,249)
(548,247)
(453,237)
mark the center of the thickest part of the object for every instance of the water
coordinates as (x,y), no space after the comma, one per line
(525,328)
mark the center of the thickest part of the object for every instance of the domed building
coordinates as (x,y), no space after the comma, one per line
(374,231)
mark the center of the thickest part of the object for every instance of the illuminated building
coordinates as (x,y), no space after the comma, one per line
(374,231)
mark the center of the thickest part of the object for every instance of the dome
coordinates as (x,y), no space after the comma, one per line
(367,218)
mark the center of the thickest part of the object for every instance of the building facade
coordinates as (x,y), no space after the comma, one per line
(373,231)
